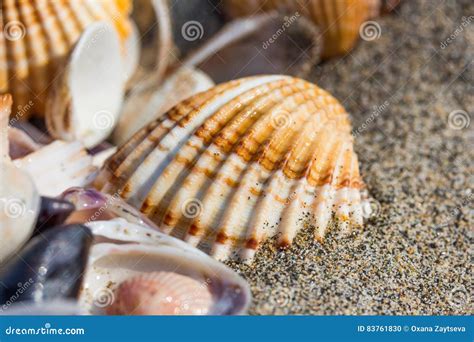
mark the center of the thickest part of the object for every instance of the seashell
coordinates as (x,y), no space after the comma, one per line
(58,166)
(50,267)
(339,20)
(129,262)
(85,100)
(19,204)
(37,37)
(52,212)
(161,293)
(144,106)
(91,205)
(5,110)
(247,47)
(247,160)
(54,167)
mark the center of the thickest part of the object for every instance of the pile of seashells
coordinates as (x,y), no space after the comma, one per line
(116,145)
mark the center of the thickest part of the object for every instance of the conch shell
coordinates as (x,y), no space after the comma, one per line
(244,161)
(339,20)
(36,36)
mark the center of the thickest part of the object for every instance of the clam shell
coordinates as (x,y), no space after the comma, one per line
(86,99)
(19,206)
(36,35)
(339,20)
(247,160)
(125,252)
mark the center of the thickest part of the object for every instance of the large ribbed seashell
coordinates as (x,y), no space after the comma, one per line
(247,160)
(339,20)
(161,293)
(36,35)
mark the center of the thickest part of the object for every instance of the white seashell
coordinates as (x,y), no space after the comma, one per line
(245,161)
(58,166)
(19,205)
(37,36)
(54,167)
(144,106)
(125,251)
(85,102)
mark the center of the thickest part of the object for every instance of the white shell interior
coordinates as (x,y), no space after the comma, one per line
(96,81)
(123,250)
(19,205)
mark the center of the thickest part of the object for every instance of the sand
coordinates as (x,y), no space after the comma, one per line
(413,255)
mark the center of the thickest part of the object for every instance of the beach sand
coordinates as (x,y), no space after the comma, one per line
(412,256)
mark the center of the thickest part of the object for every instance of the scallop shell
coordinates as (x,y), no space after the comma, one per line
(161,293)
(36,35)
(247,160)
(127,259)
(19,206)
(86,98)
(339,20)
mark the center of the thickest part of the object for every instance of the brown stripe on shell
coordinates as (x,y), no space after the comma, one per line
(249,176)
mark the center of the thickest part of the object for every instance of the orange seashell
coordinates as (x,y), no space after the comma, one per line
(36,36)
(339,20)
(161,293)
(242,162)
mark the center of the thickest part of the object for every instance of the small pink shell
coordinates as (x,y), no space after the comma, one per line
(161,293)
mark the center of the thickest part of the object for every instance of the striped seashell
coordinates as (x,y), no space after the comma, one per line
(247,160)
(339,20)
(36,36)
(161,293)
